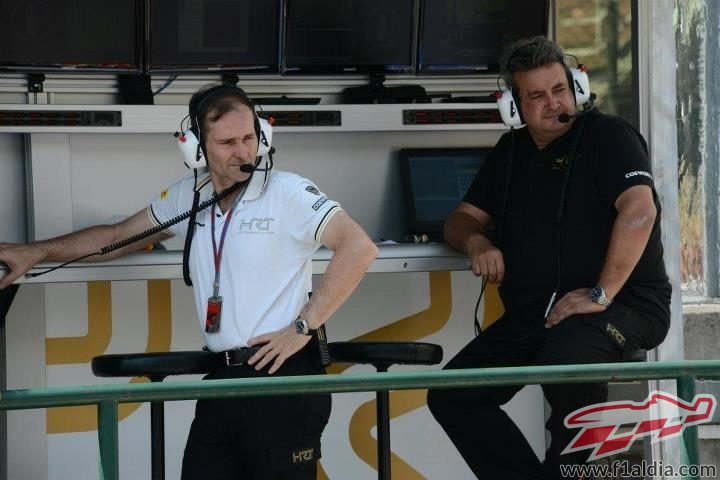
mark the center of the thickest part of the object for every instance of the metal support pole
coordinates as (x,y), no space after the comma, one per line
(157,436)
(383,430)
(689,453)
(157,440)
(108,464)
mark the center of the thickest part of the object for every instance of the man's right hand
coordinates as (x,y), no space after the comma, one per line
(485,259)
(18,258)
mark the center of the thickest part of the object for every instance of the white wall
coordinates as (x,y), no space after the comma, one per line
(12,188)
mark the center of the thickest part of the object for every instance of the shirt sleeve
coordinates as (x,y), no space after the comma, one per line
(171,202)
(482,191)
(622,160)
(311,210)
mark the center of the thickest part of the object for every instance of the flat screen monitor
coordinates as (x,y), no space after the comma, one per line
(436,180)
(348,36)
(468,36)
(71,35)
(214,35)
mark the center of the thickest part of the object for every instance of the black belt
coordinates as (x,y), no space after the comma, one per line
(236,356)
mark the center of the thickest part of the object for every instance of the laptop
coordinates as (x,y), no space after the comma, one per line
(435,181)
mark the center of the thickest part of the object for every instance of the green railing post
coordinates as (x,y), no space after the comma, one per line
(108,463)
(689,452)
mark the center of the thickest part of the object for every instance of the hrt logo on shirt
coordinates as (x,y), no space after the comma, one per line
(255,225)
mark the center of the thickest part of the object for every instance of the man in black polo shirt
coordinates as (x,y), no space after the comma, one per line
(565,217)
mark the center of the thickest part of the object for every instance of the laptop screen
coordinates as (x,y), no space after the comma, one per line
(436,180)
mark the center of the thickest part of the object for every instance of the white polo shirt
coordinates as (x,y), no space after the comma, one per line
(266,268)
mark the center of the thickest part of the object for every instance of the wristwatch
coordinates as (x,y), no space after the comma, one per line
(598,295)
(302,327)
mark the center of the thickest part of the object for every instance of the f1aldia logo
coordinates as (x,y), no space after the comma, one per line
(661,416)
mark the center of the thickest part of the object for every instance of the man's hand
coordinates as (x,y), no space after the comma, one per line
(19,258)
(277,347)
(486,260)
(572,303)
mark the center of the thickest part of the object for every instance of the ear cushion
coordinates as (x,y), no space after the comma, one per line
(265,136)
(509,109)
(580,85)
(192,154)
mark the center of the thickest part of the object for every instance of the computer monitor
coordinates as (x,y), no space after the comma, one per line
(196,36)
(468,36)
(348,36)
(71,35)
(436,180)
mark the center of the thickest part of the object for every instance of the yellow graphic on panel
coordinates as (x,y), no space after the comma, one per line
(411,328)
(74,350)
(69,350)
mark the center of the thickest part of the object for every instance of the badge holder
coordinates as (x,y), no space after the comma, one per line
(214,312)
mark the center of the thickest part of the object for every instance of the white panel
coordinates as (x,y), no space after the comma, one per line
(117,175)
(657,65)
(25,347)
(67,304)
(28,440)
(51,207)
(166,118)
(362,172)
(13,211)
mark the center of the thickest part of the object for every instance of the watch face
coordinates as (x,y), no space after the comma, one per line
(598,296)
(301,326)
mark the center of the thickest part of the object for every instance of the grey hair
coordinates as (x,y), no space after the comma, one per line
(528,54)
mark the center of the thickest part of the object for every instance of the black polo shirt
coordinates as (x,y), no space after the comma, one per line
(608,157)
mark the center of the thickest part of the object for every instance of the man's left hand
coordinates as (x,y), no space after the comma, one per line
(573,303)
(277,347)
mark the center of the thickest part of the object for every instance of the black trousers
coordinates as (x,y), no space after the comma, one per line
(484,434)
(268,438)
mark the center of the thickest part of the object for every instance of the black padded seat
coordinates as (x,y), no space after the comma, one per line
(155,366)
(639,355)
(386,353)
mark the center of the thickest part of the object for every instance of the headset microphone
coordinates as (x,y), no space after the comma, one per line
(566,117)
(247,168)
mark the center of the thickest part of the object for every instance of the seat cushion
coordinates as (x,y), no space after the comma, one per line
(153,365)
(386,353)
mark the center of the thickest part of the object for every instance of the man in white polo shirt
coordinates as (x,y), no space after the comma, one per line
(250,262)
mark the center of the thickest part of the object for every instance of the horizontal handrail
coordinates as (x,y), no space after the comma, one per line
(246,387)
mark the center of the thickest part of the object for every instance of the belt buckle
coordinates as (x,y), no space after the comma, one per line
(228,360)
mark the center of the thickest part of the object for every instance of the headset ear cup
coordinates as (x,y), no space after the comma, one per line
(509,109)
(580,85)
(265,140)
(193,156)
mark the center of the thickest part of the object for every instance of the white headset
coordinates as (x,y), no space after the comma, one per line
(509,106)
(194,155)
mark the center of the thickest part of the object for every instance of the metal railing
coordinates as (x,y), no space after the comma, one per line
(107,397)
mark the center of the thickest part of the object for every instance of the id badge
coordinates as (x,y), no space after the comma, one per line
(214,310)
